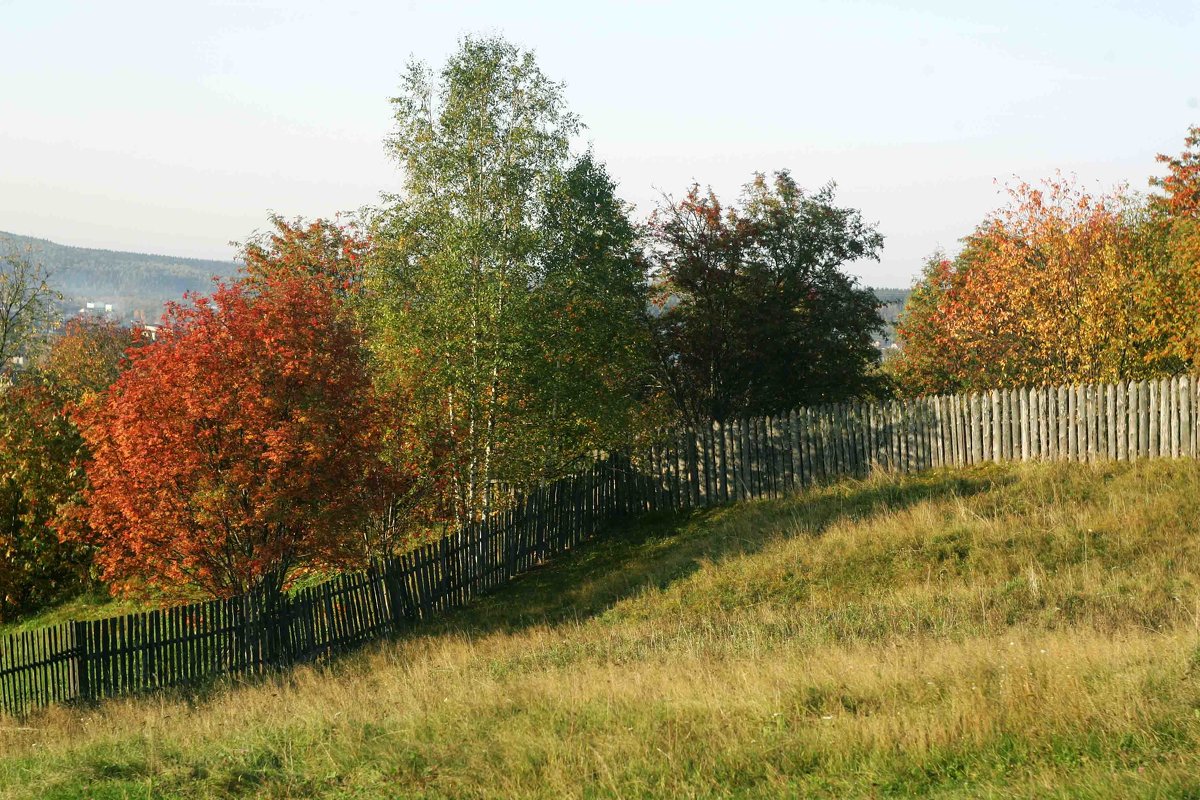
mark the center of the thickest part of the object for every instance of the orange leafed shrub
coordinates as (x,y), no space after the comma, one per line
(1057,287)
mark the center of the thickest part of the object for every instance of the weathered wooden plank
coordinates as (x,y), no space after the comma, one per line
(1121,421)
(796,444)
(1006,425)
(1135,421)
(1172,387)
(1076,445)
(1154,420)
(962,422)
(1110,421)
(986,426)
(1023,424)
(1185,416)
(1091,422)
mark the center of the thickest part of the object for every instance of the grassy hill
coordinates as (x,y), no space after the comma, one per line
(1008,631)
(130,281)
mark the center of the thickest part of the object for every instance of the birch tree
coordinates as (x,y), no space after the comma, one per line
(466,262)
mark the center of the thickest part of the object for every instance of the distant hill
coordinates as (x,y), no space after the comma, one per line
(893,303)
(143,282)
(131,282)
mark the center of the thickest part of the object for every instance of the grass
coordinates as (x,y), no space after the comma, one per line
(94,605)
(995,632)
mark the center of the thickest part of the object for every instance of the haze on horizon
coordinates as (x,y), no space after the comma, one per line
(177,128)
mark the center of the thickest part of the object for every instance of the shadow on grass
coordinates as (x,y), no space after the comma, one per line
(655,550)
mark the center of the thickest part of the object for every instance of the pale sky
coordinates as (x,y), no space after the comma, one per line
(177,127)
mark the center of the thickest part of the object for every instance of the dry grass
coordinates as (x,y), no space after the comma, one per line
(997,632)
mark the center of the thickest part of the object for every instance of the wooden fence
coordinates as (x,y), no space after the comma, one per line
(767,457)
(254,633)
(682,469)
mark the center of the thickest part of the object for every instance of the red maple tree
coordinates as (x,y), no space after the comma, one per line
(242,446)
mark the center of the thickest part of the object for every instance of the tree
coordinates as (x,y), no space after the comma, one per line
(86,357)
(26,305)
(299,249)
(238,448)
(42,457)
(1173,235)
(484,256)
(757,315)
(581,364)
(338,252)
(1181,185)
(41,474)
(1057,287)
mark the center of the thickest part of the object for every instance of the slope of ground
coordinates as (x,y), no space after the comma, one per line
(996,632)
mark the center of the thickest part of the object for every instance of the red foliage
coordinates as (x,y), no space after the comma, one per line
(241,446)
(1181,184)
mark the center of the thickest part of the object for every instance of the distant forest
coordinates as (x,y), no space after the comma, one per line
(140,283)
(136,284)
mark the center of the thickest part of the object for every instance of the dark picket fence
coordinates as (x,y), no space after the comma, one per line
(255,633)
(680,469)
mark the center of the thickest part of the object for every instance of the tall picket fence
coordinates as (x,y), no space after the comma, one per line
(766,457)
(724,462)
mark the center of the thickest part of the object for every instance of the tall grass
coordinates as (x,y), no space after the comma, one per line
(1001,631)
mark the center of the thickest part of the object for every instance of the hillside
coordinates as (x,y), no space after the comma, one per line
(998,631)
(130,281)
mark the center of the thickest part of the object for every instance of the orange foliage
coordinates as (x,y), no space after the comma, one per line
(1176,229)
(1181,184)
(243,445)
(1055,288)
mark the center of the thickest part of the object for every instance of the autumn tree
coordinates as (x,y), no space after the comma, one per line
(1059,286)
(238,448)
(498,272)
(41,457)
(321,248)
(1172,234)
(757,314)
(337,251)
(1180,187)
(86,356)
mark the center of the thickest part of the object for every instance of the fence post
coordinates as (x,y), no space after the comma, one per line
(83,686)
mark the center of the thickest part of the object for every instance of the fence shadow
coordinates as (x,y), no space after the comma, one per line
(657,549)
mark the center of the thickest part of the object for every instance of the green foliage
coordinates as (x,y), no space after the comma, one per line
(26,306)
(41,474)
(757,314)
(584,353)
(504,277)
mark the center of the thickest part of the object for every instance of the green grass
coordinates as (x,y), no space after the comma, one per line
(995,632)
(94,605)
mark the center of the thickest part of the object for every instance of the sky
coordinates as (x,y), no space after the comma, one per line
(178,128)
